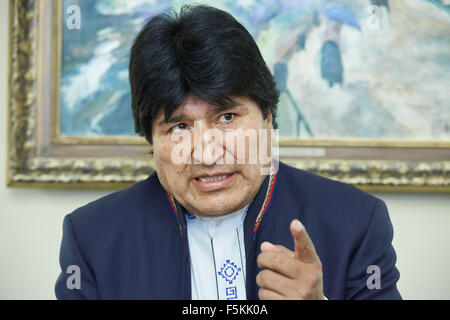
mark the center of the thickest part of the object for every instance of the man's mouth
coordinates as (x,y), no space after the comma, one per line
(213,178)
(214,182)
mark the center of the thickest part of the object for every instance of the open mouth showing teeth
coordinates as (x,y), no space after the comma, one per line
(212,179)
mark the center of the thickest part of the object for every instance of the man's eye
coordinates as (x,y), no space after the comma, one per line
(227,117)
(180,126)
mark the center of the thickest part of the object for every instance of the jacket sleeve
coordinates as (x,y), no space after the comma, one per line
(76,280)
(372,273)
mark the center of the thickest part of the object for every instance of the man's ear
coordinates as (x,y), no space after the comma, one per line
(269,119)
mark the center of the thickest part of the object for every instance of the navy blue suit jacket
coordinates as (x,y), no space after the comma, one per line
(130,245)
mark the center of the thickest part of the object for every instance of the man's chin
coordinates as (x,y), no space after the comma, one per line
(214,210)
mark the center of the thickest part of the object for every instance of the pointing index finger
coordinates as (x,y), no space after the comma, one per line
(304,248)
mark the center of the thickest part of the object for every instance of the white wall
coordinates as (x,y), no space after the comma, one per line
(422,241)
(31,227)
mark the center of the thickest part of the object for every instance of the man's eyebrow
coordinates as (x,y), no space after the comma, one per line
(220,109)
(182,117)
(172,119)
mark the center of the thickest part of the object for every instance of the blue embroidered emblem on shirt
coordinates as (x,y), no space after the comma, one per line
(231,293)
(229,271)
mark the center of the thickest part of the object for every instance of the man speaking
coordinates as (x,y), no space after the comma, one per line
(217,220)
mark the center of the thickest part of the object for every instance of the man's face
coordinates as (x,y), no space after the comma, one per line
(207,159)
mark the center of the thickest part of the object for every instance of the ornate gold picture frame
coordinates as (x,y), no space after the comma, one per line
(40,157)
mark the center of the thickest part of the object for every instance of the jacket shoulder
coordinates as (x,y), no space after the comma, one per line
(117,206)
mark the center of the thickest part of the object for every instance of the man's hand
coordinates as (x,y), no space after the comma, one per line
(287,274)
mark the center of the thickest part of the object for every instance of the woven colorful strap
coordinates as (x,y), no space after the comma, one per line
(174,210)
(267,200)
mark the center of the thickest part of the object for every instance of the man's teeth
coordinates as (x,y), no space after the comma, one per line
(211,179)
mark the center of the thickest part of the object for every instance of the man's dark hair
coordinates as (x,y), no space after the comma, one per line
(201,51)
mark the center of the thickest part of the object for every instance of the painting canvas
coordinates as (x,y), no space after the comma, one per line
(345,68)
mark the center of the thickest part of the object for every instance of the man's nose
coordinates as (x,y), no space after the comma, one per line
(208,145)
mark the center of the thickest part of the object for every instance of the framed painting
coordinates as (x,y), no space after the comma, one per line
(363,87)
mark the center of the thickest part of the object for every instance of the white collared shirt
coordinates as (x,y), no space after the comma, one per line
(217,253)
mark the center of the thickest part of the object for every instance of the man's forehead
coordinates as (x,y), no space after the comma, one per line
(197,106)
(186,111)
